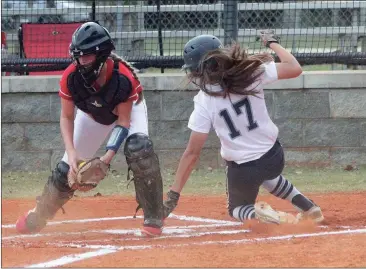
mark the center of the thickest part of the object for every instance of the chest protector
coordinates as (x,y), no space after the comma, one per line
(100,104)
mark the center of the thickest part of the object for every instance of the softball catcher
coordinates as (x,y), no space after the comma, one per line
(106,95)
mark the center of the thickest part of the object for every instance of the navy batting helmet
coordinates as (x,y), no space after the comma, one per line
(196,48)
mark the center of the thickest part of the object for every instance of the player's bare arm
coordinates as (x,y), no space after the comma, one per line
(289,67)
(189,160)
(67,123)
(185,167)
(67,116)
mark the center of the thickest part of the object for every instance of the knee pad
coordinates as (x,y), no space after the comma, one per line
(140,155)
(59,177)
(136,145)
(63,168)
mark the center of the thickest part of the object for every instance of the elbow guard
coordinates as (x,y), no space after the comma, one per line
(116,138)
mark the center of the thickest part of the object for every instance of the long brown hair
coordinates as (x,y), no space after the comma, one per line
(116,58)
(232,69)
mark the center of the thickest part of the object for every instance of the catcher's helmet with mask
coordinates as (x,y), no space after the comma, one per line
(91,38)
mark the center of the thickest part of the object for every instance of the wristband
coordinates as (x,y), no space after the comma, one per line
(116,138)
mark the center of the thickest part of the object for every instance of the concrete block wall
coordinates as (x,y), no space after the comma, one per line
(321,117)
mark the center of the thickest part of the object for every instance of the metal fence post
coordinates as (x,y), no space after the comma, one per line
(93,10)
(119,17)
(160,35)
(230,21)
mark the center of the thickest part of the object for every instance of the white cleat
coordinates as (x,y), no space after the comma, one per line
(266,214)
(315,214)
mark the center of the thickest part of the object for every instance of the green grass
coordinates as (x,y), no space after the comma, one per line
(30,184)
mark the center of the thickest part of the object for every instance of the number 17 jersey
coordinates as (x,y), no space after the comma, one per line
(242,123)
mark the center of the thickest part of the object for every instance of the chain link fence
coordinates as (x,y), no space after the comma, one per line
(153,32)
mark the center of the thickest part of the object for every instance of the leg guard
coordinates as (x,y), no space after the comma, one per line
(55,194)
(144,164)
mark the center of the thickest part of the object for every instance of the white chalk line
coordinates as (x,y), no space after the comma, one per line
(175,233)
(118,231)
(224,242)
(178,234)
(50,223)
(72,258)
(213,223)
(172,216)
(137,232)
(112,249)
(86,243)
(44,235)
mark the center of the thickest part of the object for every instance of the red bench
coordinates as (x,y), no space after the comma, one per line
(50,40)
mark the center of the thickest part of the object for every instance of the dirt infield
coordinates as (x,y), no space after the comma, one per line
(100,232)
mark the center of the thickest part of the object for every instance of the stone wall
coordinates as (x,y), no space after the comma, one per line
(321,117)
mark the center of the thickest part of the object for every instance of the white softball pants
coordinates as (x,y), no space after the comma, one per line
(89,135)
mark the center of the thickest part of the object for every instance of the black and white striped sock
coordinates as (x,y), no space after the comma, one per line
(244,212)
(283,189)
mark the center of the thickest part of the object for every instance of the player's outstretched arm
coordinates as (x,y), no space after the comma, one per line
(185,167)
(288,67)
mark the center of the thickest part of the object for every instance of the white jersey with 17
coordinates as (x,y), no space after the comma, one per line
(242,123)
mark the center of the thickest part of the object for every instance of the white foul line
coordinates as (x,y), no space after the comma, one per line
(107,249)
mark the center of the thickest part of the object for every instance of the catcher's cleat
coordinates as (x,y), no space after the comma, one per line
(31,222)
(149,231)
(266,214)
(314,213)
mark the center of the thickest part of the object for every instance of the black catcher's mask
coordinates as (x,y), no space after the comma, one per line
(91,38)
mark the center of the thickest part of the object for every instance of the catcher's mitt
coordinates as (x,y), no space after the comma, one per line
(90,173)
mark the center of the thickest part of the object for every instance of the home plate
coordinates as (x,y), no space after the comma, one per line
(123,231)
(168,230)
(137,232)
